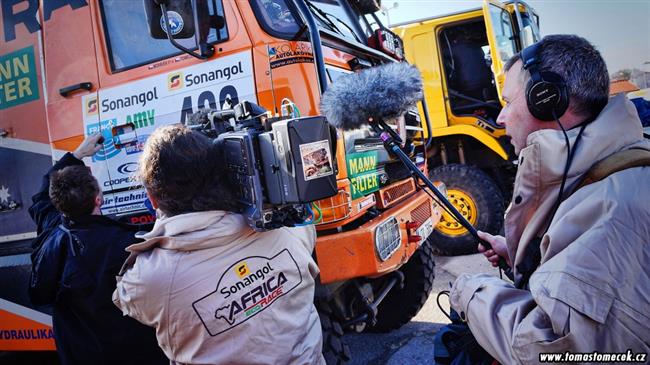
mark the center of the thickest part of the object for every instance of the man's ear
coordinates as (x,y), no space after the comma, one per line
(99,199)
(154,202)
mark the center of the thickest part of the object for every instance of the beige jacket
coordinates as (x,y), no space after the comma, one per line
(592,289)
(219,293)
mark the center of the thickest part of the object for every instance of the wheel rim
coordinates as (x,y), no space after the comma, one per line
(467,208)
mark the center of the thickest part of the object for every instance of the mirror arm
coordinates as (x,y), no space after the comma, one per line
(206,50)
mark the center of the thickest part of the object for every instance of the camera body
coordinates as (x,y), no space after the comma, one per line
(276,168)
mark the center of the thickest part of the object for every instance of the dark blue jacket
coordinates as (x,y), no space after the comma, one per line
(74,264)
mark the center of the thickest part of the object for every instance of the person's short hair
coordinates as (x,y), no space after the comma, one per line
(581,66)
(183,172)
(73,190)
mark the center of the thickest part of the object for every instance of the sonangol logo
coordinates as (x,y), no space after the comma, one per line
(128,168)
(176,22)
(174,81)
(241,270)
(92,106)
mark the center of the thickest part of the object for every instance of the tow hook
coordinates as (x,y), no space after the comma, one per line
(370,315)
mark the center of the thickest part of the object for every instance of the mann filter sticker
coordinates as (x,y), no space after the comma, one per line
(316,159)
(18,80)
(247,288)
(365,178)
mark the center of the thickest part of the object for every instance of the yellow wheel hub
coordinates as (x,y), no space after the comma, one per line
(467,208)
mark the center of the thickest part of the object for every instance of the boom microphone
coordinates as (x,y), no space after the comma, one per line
(378,93)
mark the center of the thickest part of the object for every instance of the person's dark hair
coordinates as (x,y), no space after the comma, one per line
(183,172)
(73,190)
(581,66)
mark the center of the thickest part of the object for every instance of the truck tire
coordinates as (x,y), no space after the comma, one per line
(477,197)
(401,305)
(335,351)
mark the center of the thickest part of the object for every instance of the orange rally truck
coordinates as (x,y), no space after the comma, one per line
(70,68)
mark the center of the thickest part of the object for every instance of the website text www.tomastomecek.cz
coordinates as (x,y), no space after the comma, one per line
(595,356)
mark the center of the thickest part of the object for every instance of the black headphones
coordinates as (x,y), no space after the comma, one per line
(546,93)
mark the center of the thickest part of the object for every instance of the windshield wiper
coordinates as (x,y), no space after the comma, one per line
(325,18)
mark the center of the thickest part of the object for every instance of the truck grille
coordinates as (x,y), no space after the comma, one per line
(394,193)
(421,213)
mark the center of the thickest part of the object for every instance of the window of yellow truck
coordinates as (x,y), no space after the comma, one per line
(529,29)
(503,31)
(128,40)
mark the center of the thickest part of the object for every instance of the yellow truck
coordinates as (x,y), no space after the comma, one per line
(461,57)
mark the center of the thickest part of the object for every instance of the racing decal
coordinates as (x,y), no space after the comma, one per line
(363,173)
(316,159)
(7,201)
(23,328)
(13,15)
(127,114)
(124,201)
(290,53)
(18,81)
(247,288)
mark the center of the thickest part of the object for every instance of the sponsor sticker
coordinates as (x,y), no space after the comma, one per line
(176,23)
(108,149)
(363,173)
(18,81)
(290,53)
(246,289)
(316,159)
(175,81)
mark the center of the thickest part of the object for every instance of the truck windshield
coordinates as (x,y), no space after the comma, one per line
(127,36)
(281,19)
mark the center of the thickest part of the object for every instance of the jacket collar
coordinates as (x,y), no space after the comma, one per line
(193,231)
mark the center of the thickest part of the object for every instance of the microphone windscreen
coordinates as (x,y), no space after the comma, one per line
(382,92)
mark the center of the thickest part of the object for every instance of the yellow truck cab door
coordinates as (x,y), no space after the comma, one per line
(527,24)
(501,36)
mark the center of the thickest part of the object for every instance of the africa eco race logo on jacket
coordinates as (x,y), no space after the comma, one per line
(247,288)
(175,81)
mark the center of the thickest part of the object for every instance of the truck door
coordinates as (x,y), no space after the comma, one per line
(500,31)
(71,76)
(148,83)
(527,25)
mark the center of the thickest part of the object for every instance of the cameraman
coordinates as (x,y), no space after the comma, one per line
(216,291)
(580,258)
(76,256)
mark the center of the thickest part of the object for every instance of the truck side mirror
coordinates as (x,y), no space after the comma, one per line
(180,19)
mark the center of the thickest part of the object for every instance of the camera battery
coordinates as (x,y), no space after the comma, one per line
(298,161)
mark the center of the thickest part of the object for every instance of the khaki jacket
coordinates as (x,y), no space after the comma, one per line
(592,289)
(219,293)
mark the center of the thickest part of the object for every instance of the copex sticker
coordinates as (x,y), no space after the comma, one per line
(316,159)
(247,288)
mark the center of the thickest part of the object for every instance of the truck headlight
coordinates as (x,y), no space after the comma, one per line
(388,238)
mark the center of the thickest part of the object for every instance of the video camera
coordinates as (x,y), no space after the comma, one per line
(277,166)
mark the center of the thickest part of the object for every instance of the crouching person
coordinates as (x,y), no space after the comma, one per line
(76,256)
(216,291)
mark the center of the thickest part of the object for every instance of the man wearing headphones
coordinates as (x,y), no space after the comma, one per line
(579,248)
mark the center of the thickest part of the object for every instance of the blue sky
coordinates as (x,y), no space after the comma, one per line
(620,29)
